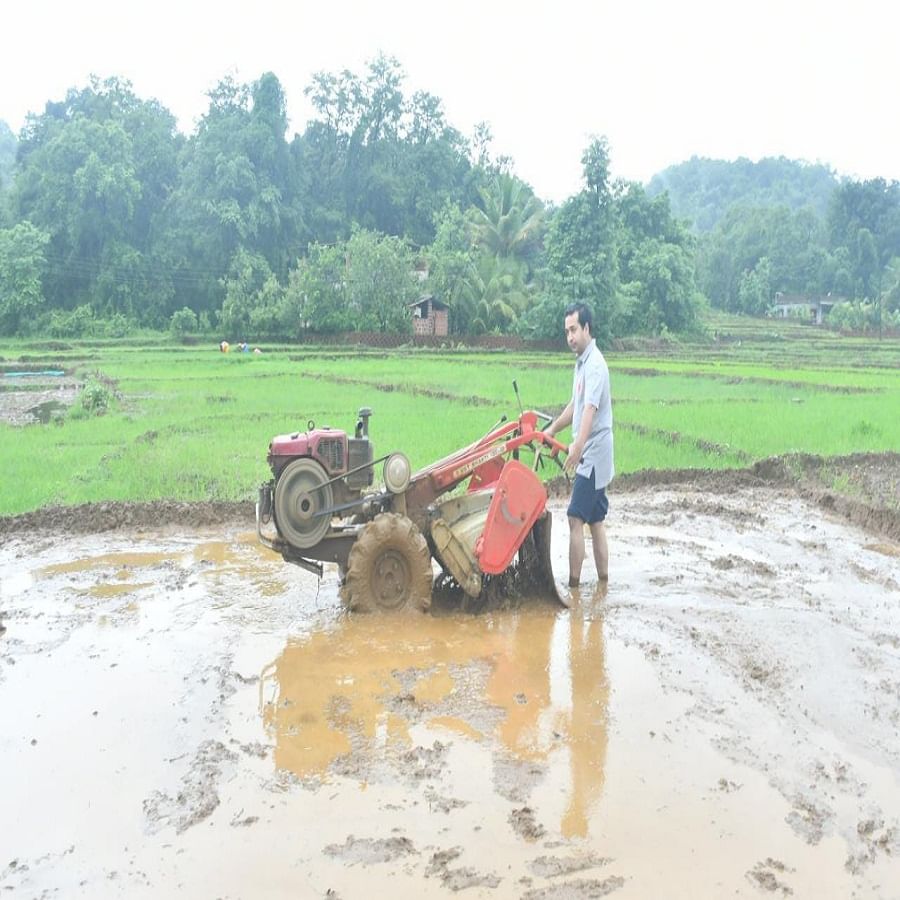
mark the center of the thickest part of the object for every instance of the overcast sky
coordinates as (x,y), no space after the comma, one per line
(663,79)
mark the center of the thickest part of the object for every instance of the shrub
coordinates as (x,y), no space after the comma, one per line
(93,400)
(75,323)
(183,322)
(116,326)
(862,316)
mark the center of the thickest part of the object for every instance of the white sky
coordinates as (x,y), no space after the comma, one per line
(662,79)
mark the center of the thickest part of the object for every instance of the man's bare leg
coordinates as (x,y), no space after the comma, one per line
(576,550)
(601,550)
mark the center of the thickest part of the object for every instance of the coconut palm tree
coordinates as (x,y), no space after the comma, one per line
(509,223)
(494,292)
(504,234)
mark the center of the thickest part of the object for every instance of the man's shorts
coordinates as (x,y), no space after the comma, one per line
(587,503)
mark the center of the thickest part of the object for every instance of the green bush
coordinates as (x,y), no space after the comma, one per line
(93,400)
(183,322)
(75,323)
(116,326)
(862,316)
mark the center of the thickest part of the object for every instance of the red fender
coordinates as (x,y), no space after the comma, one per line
(519,499)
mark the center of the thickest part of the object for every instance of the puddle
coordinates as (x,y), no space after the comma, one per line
(528,682)
(122,560)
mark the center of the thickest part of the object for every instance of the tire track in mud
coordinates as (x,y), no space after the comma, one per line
(741,646)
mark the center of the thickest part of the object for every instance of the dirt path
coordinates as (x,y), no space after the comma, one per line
(184,715)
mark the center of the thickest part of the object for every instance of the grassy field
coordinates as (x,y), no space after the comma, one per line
(191,423)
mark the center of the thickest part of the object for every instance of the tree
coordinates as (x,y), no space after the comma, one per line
(873,205)
(248,286)
(93,172)
(507,223)
(22,264)
(381,282)
(890,286)
(80,186)
(582,247)
(183,322)
(238,192)
(755,288)
(656,260)
(505,234)
(316,298)
(866,263)
(378,159)
(793,243)
(365,283)
(450,258)
(495,292)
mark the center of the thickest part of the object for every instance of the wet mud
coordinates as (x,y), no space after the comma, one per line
(36,397)
(185,715)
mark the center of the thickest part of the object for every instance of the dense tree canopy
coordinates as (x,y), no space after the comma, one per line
(380,159)
(92,172)
(110,216)
(791,243)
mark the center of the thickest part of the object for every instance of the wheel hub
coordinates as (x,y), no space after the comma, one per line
(391,580)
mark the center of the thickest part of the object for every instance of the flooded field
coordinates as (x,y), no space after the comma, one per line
(185,715)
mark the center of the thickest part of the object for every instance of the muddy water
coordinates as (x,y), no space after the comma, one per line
(184,715)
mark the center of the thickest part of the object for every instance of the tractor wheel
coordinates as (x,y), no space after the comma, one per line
(389,567)
(300,493)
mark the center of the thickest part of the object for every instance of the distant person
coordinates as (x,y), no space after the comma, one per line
(224,346)
(591,452)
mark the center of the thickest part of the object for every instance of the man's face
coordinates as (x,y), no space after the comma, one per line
(577,336)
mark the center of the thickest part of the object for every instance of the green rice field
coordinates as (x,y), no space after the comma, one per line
(191,423)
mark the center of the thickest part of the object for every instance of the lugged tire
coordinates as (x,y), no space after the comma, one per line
(389,567)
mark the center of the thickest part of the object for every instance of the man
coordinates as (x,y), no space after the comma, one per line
(591,452)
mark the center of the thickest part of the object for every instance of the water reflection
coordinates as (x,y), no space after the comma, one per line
(587,721)
(530,684)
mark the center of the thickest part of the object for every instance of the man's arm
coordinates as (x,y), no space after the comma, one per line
(563,420)
(576,448)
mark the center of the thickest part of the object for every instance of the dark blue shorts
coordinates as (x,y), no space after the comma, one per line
(587,503)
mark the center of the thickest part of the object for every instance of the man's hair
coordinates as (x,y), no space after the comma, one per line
(585,319)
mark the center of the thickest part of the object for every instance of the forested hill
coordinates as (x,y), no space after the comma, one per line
(701,190)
